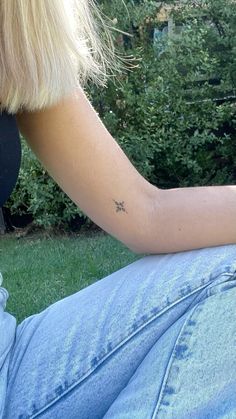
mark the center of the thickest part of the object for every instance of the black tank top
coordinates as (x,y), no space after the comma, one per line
(10,155)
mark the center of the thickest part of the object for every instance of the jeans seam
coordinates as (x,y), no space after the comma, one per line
(170,363)
(121,343)
(172,357)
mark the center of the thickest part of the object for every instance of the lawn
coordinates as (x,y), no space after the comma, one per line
(39,270)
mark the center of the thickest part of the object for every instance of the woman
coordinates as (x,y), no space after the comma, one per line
(155,339)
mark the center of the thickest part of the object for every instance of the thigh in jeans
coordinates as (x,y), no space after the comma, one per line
(7,336)
(73,359)
(196,364)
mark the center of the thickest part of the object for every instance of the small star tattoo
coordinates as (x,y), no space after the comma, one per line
(120,206)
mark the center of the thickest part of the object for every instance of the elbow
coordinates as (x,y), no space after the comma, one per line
(147,238)
(139,233)
(135,249)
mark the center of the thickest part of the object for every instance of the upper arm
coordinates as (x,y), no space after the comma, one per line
(88,164)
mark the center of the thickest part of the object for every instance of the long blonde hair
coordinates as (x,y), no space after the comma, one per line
(48,48)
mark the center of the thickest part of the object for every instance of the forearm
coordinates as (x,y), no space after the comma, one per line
(192,218)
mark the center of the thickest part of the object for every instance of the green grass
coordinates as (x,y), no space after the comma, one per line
(38,271)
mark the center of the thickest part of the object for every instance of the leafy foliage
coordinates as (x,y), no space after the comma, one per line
(173,114)
(178,129)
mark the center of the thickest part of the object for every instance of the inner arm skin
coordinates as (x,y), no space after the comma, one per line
(76,149)
(191,218)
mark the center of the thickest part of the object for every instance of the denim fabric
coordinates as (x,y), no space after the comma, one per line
(7,335)
(154,340)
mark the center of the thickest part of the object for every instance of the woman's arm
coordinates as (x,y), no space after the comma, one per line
(192,218)
(88,164)
(83,158)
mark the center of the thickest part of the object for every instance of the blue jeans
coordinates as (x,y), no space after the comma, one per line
(156,339)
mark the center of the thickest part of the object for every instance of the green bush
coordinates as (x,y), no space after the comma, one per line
(177,130)
(167,114)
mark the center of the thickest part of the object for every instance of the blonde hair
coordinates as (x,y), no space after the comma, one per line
(48,48)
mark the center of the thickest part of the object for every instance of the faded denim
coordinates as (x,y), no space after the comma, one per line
(153,340)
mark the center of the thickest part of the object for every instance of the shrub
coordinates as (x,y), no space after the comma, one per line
(169,114)
(177,129)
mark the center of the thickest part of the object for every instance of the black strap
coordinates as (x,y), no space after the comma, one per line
(10,155)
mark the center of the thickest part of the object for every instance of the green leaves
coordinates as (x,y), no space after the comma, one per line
(170,117)
(169,114)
